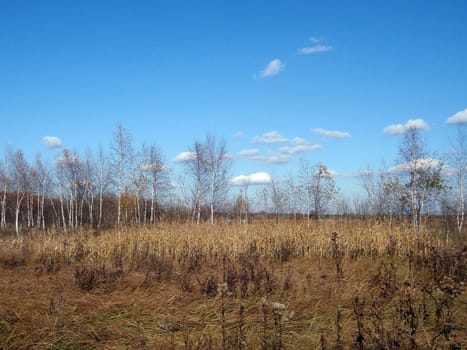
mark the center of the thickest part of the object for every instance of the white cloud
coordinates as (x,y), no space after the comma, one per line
(299,141)
(350,174)
(253,179)
(184,156)
(228,156)
(314,40)
(248,152)
(458,118)
(273,158)
(302,148)
(239,135)
(333,134)
(272,68)
(52,141)
(315,49)
(424,163)
(269,137)
(397,129)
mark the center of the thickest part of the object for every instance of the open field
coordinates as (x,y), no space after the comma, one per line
(332,285)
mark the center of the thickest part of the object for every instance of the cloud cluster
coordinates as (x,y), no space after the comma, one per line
(332,133)
(276,66)
(248,152)
(300,149)
(458,118)
(52,141)
(317,47)
(269,137)
(398,129)
(260,178)
(273,158)
(423,164)
(279,156)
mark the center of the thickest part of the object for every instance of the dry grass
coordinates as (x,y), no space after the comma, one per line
(138,288)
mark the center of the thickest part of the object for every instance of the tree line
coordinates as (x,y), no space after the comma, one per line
(125,185)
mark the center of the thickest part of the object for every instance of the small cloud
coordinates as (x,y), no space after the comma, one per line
(398,129)
(458,118)
(253,179)
(184,157)
(332,134)
(424,163)
(273,158)
(314,40)
(228,156)
(239,135)
(52,141)
(303,148)
(351,174)
(269,137)
(248,152)
(272,68)
(299,141)
(315,49)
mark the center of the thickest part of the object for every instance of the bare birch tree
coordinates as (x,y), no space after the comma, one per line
(318,186)
(217,169)
(19,178)
(196,165)
(5,183)
(278,199)
(306,185)
(44,184)
(122,153)
(157,173)
(457,159)
(369,183)
(422,172)
(102,181)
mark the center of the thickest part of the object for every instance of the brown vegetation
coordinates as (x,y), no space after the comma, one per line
(334,284)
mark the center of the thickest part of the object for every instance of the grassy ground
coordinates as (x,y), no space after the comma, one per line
(260,286)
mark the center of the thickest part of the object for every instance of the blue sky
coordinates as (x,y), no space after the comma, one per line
(172,71)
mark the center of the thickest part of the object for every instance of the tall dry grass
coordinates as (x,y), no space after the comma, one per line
(333,284)
(358,239)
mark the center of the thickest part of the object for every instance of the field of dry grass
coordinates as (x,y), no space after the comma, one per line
(332,285)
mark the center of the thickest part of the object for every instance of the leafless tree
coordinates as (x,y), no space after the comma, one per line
(278,198)
(422,172)
(122,155)
(457,159)
(102,180)
(197,170)
(19,178)
(158,177)
(318,186)
(44,183)
(89,186)
(217,168)
(369,182)
(306,185)
(60,176)
(5,183)
(70,170)
(137,187)
(324,189)
(246,201)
